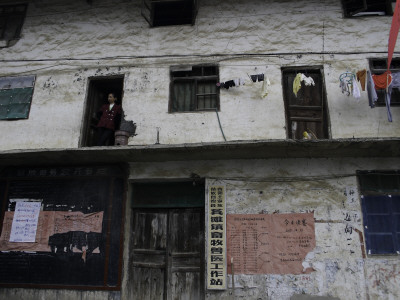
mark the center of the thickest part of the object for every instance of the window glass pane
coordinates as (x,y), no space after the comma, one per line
(209,71)
(16,82)
(376,204)
(379,223)
(183,96)
(3,112)
(396,220)
(18,111)
(21,95)
(380,244)
(197,71)
(396,204)
(206,95)
(5,97)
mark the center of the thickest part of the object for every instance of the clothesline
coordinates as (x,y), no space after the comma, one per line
(241,81)
(386,82)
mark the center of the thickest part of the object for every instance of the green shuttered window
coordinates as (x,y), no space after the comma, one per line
(16,97)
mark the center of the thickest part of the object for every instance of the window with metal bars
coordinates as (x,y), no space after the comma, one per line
(379,66)
(194,88)
(306,112)
(11,21)
(380,201)
(363,8)
(16,97)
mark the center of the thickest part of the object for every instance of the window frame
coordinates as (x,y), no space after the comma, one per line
(382,186)
(379,66)
(5,86)
(195,79)
(6,16)
(363,9)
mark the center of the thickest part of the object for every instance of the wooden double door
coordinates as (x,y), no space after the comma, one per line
(168,254)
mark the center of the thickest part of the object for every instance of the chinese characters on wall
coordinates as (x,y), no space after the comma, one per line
(216,263)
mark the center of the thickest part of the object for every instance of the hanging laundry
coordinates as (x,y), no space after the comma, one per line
(231,83)
(239,81)
(395,84)
(253,78)
(257,77)
(308,81)
(300,77)
(356,91)
(297,84)
(265,87)
(228,84)
(344,88)
(347,81)
(395,80)
(372,96)
(382,81)
(361,77)
(387,102)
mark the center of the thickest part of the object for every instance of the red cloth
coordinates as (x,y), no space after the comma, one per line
(382,81)
(394,30)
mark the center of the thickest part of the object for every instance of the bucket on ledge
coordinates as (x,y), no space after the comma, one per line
(121,138)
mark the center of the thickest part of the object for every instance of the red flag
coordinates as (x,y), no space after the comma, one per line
(394,30)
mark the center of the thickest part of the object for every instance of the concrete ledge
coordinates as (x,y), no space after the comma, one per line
(260,149)
(309,297)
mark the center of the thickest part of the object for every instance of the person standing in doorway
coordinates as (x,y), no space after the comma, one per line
(110,119)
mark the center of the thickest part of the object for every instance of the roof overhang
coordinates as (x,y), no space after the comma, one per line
(260,149)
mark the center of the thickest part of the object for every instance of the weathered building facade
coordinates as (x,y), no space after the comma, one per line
(211,87)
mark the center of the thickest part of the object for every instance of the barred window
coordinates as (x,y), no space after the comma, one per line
(194,88)
(379,66)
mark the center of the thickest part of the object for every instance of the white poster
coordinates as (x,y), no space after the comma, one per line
(25,222)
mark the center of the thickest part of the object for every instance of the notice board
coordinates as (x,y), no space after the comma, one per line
(62,227)
(269,243)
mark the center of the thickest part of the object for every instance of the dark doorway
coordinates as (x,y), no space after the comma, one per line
(99,88)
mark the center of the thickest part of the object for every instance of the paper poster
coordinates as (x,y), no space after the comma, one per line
(24,225)
(61,225)
(269,243)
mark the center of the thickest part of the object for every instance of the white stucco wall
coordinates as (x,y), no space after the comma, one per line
(342,269)
(63,41)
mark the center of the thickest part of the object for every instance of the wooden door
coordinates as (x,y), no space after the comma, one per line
(307,110)
(168,254)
